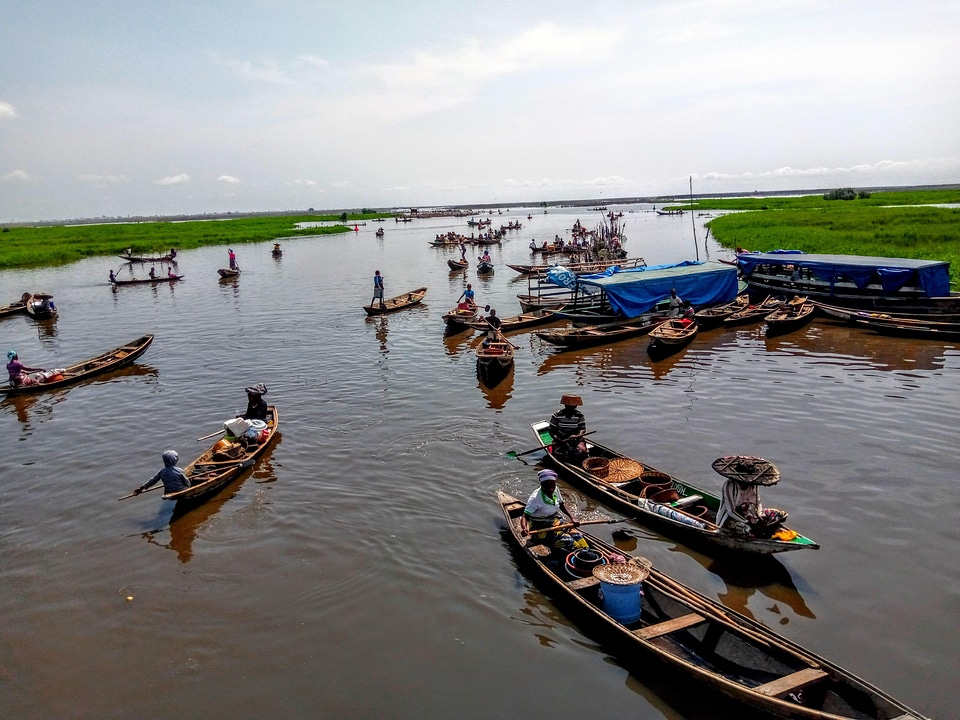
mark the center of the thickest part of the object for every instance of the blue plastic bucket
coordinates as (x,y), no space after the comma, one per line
(620,585)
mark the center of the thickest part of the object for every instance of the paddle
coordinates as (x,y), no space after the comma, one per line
(514,454)
(567,526)
(243,464)
(207,437)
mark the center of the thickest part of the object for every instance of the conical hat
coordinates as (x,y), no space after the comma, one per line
(747,469)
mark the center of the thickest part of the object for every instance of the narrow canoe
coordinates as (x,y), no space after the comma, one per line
(789,317)
(41,306)
(712,317)
(629,490)
(111,360)
(494,356)
(208,475)
(752,313)
(142,259)
(458,264)
(853,314)
(485,268)
(227,272)
(583,268)
(517,322)
(457,318)
(593,335)
(671,336)
(896,328)
(16,307)
(400,302)
(694,639)
(148,281)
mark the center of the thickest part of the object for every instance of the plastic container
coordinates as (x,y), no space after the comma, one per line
(256,428)
(620,590)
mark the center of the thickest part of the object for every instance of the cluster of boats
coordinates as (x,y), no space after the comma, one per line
(39,306)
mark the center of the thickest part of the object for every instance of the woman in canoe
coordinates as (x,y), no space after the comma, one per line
(256,406)
(741,511)
(377,288)
(20,373)
(543,512)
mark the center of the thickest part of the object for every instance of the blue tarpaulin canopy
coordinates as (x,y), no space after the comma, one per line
(932,276)
(636,291)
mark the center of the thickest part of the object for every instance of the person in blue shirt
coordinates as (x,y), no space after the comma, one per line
(377,288)
(468,295)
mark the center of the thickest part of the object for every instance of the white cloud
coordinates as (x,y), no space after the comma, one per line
(173,180)
(102,180)
(266,70)
(17,176)
(342,184)
(7,111)
(228,179)
(314,60)
(305,183)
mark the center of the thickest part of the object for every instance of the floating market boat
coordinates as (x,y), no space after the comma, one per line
(400,302)
(648,617)
(226,459)
(675,507)
(111,360)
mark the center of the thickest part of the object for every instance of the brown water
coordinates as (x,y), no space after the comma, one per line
(358,571)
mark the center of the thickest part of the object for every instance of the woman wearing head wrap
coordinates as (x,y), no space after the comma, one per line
(543,512)
(20,373)
(173,478)
(256,405)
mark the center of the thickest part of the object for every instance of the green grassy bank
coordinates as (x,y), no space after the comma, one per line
(24,247)
(883,225)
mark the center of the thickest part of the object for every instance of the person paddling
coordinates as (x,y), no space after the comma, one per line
(172,477)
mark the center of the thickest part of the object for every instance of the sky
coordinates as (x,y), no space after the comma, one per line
(130,108)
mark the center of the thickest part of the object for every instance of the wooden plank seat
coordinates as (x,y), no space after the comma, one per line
(514,506)
(791,682)
(668,626)
(540,550)
(582,583)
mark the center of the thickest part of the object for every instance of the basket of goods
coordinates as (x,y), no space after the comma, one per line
(624,469)
(597,466)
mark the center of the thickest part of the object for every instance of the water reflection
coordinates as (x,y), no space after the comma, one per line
(458,342)
(497,387)
(46,328)
(381,325)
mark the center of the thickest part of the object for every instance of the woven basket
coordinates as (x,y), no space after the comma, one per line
(597,466)
(624,469)
(660,495)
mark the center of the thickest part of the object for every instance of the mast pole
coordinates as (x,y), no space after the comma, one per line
(693,221)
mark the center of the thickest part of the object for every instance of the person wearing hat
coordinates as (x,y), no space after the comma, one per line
(20,373)
(741,512)
(543,512)
(567,428)
(172,477)
(256,405)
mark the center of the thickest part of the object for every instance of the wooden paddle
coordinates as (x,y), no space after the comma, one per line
(567,526)
(207,437)
(243,464)
(514,454)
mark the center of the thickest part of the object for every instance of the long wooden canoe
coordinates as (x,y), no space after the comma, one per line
(790,316)
(142,259)
(517,322)
(582,268)
(494,358)
(111,360)
(672,336)
(457,318)
(912,329)
(753,313)
(14,308)
(207,475)
(400,302)
(712,317)
(148,280)
(593,335)
(228,272)
(458,264)
(700,641)
(628,489)
(853,314)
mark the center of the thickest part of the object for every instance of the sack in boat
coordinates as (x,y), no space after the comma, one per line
(237,426)
(226,450)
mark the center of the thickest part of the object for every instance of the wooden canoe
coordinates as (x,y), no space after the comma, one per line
(696,640)
(400,302)
(912,329)
(671,336)
(752,313)
(457,318)
(582,268)
(628,490)
(41,306)
(494,356)
(593,335)
(517,322)
(712,317)
(852,315)
(111,360)
(458,264)
(228,273)
(20,306)
(788,317)
(484,268)
(208,475)
(148,281)
(142,259)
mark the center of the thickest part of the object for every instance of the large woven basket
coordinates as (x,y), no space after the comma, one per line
(597,466)
(624,469)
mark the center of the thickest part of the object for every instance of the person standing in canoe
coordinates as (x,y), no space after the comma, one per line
(113,277)
(567,428)
(377,288)
(543,512)
(233,259)
(675,303)
(256,406)
(463,252)
(172,477)
(20,373)
(153,273)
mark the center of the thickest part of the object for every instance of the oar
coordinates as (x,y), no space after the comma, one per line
(243,464)
(514,454)
(207,437)
(567,526)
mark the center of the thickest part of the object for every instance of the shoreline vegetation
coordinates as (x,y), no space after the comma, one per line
(888,223)
(48,245)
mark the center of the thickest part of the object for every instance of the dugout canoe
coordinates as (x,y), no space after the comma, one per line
(701,641)
(40,306)
(593,335)
(517,322)
(913,329)
(686,514)
(400,302)
(208,474)
(790,316)
(148,281)
(712,317)
(582,268)
(228,272)
(110,360)
(457,318)
(494,359)
(458,264)
(755,312)
(14,308)
(671,336)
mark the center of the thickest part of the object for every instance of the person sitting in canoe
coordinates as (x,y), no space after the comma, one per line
(485,257)
(741,511)
(171,273)
(533,244)
(567,428)
(543,512)
(467,296)
(20,373)
(153,273)
(494,322)
(172,477)
(256,405)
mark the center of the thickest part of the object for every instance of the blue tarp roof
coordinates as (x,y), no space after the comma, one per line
(636,291)
(933,276)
